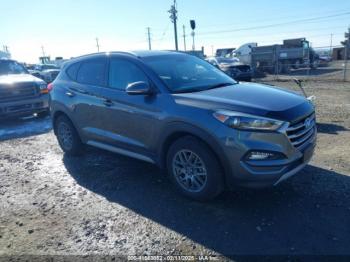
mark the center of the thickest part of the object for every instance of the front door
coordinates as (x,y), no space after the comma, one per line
(130,120)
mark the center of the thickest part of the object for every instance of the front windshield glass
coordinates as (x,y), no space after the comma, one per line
(222,60)
(186,73)
(11,67)
(46,67)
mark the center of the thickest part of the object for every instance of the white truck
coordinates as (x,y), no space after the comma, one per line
(244,53)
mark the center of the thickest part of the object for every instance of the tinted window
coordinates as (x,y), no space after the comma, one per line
(73,70)
(122,73)
(92,72)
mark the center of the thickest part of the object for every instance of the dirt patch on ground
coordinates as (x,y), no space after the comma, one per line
(106,204)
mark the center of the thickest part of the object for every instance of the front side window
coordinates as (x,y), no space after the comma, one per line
(185,73)
(92,72)
(122,73)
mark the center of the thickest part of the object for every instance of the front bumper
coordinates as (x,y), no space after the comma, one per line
(263,173)
(24,107)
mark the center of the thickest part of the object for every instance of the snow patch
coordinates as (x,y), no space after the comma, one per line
(24,127)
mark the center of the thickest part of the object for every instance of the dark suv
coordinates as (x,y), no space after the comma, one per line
(186,116)
(21,94)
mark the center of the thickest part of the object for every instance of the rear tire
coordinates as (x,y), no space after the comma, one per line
(67,136)
(194,169)
(296,64)
(286,67)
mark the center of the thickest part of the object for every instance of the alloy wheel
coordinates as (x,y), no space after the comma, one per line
(189,170)
(65,135)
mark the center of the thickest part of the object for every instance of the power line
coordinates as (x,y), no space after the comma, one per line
(165,31)
(269,20)
(173,17)
(273,25)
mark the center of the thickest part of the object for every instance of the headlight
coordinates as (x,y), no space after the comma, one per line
(43,88)
(247,122)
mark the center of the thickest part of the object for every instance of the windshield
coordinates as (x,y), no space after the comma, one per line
(11,67)
(45,67)
(185,73)
(222,60)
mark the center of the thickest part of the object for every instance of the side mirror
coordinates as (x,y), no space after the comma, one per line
(139,88)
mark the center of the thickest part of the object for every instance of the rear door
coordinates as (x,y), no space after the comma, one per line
(85,91)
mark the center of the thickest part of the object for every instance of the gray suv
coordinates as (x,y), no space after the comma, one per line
(184,115)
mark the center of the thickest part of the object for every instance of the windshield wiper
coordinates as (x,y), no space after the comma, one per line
(199,89)
(221,85)
(188,90)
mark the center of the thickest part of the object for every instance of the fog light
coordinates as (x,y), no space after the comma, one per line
(260,155)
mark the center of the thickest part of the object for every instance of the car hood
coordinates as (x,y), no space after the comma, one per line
(19,78)
(256,99)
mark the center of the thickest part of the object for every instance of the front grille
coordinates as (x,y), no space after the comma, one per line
(18,91)
(243,68)
(302,131)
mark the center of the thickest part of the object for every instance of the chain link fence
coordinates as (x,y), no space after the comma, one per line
(325,64)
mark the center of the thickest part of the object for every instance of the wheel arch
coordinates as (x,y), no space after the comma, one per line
(177,130)
(59,113)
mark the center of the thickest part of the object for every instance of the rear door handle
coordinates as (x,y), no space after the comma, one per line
(70,94)
(107,102)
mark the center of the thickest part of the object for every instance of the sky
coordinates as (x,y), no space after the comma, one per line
(69,28)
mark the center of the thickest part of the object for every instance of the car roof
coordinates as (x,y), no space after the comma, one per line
(138,53)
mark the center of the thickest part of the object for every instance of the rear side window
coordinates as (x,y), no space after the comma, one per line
(92,72)
(73,70)
(122,73)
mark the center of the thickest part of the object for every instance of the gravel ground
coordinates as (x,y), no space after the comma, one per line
(106,204)
(332,72)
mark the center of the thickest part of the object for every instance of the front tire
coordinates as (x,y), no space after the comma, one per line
(194,169)
(67,136)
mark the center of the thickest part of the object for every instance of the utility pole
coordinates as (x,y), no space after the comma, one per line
(173,17)
(43,50)
(331,45)
(346,52)
(6,49)
(97,45)
(184,35)
(149,38)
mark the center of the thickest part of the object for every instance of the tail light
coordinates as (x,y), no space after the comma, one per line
(50,87)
